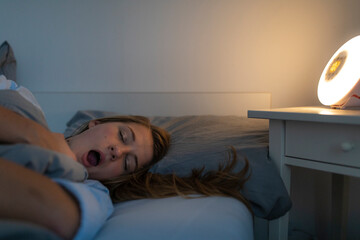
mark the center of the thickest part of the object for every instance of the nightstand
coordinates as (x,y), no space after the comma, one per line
(316,138)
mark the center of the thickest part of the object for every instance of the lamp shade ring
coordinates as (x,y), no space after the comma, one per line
(339,84)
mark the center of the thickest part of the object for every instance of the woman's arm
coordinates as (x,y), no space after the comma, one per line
(31,197)
(15,128)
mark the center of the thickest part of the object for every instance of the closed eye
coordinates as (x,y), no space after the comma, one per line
(130,163)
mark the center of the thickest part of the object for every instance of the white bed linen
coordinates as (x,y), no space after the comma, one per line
(178,218)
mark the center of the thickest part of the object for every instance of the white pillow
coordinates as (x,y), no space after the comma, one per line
(179,218)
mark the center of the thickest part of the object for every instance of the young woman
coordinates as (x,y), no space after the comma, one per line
(118,151)
(68,204)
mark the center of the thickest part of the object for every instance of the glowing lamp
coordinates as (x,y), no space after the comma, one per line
(339,85)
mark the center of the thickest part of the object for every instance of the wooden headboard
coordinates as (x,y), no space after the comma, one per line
(60,107)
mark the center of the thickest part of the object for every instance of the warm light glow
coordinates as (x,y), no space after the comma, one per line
(326,112)
(340,74)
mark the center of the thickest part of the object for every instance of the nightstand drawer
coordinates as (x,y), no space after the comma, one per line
(324,142)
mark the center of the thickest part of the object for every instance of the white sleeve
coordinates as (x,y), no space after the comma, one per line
(95,205)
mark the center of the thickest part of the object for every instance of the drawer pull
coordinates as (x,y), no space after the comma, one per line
(347,146)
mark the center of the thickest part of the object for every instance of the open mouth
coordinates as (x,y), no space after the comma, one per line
(93,158)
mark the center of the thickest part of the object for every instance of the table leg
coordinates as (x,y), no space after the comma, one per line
(339,206)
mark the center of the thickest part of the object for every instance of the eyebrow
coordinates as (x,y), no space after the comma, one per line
(136,163)
(132,133)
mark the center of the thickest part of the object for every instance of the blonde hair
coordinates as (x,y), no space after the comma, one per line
(144,184)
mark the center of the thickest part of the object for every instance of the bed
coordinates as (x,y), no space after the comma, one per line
(202,126)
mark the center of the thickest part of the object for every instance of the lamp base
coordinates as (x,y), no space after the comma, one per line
(353,102)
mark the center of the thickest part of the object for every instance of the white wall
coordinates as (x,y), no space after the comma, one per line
(171,45)
(274,46)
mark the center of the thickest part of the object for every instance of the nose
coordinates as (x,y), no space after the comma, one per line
(117,152)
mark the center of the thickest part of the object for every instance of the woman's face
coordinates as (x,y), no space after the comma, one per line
(110,149)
